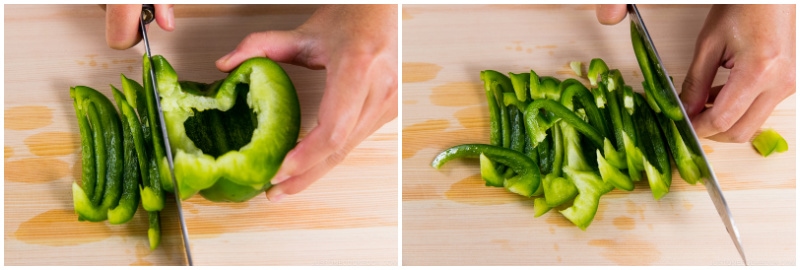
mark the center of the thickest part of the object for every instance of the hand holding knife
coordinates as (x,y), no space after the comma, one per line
(660,74)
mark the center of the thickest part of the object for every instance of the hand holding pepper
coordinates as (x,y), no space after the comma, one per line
(122,23)
(757,43)
(357,46)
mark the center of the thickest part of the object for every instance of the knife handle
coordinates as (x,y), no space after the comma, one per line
(148,13)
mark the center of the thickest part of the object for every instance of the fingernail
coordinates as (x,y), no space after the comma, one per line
(225,58)
(276,198)
(279,179)
(170,18)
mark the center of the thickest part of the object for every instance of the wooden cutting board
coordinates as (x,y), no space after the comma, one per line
(451,218)
(347,218)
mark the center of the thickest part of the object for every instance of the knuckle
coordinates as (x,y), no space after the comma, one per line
(722,122)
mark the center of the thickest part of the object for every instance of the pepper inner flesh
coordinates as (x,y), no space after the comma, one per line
(216,132)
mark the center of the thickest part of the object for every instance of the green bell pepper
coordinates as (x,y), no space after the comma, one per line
(230,137)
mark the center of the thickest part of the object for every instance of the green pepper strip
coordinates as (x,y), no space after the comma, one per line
(129,200)
(537,92)
(152,191)
(546,150)
(162,167)
(499,84)
(532,111)
(614,80)
(600,129)
(683,157)
(107,135)
(550,86)
(517,130)
(495,133)
(630,140)
(656,160)
(584,207)
(527,171)
(659,93)
(88,172)
(489,172)
(611,175)
(521,83)
(154,231)
(597,69)
(627,99)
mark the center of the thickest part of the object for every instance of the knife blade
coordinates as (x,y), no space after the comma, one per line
(147,16)
(711,183)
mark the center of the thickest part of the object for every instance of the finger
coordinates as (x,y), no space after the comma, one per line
(165,17)
(339,112)
(695,90)
(122,26)
(296,184)
(611,14)
(713,93)
(281,46)
(733,100)
(750,122)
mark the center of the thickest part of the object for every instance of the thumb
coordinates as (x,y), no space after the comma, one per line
(281,46)
(696,86)
(611,14)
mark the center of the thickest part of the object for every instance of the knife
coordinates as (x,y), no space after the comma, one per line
(148,15)
(711,183)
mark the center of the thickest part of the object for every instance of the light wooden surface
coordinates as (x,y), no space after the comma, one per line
(450,218)
(347,218)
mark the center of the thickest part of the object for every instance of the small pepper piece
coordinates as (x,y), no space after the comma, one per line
(590,188)
(521,84)
(770,141)
(526,169)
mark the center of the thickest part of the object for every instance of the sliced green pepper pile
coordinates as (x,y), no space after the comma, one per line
(576,144)
(229,138)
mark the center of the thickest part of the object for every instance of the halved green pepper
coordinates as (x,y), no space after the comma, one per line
(230,137)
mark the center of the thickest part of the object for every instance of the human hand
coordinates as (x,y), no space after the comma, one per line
(757,43)
(611,14)
(357,46)
(122,23)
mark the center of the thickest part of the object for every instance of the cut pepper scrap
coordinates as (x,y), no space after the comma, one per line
(770,141)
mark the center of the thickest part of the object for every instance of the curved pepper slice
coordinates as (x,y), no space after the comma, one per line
(93,108)
(129,201)
(770,141)
(230,137)
(525,183)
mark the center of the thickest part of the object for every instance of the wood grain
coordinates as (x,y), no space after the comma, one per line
(450,218)
(347,218)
